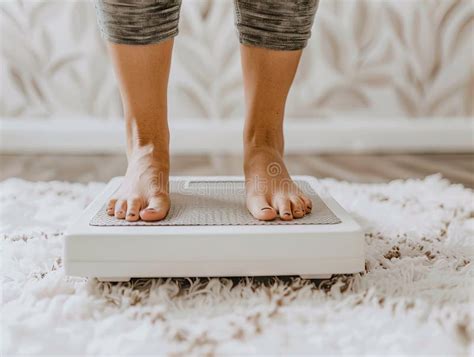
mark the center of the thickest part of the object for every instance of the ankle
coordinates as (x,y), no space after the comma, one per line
(150,151)
(253,149)
(147,130)
(270,141)
(152,147)
(153,143)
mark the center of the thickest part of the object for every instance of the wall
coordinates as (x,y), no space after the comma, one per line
(402,59)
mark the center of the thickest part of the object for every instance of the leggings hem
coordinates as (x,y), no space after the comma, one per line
(138,42)
(270,46)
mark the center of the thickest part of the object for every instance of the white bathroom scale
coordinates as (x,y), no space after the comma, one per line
(208,232)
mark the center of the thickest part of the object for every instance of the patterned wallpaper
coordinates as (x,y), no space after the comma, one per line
(366,58)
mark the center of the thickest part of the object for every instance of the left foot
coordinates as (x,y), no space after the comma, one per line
(269,189)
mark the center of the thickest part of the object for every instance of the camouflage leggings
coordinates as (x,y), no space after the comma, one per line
(275,24)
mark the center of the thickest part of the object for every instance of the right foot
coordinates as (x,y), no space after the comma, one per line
(144,190)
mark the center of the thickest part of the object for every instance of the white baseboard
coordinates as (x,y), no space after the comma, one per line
(94,135)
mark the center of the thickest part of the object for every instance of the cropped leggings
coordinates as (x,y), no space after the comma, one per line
(274,24)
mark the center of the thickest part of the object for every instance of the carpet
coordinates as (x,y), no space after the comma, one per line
(414,297)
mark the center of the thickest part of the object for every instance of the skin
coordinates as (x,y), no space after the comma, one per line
(143,72)
(268,75)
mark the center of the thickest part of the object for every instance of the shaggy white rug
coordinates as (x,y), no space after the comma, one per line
(415,296)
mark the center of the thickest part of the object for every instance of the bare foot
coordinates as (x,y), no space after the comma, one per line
(144,190)
(269,188)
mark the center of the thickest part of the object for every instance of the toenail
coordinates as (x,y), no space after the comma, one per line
(265,208)
(131,214)
(149,209)
(287,214)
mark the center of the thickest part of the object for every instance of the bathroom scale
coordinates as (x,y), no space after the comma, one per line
(208,232)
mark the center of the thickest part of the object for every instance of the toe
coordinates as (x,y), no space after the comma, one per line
(260,208)
(308,205)
(284,208)
(133,210)
(111,206)
(157,209)
(120,209)
(297,207)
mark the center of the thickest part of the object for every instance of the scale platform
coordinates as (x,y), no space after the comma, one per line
(209,232)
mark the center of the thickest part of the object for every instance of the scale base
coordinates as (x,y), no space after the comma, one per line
(190,243)
(127,279)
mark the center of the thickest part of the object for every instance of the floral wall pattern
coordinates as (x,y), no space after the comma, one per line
(391,58)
